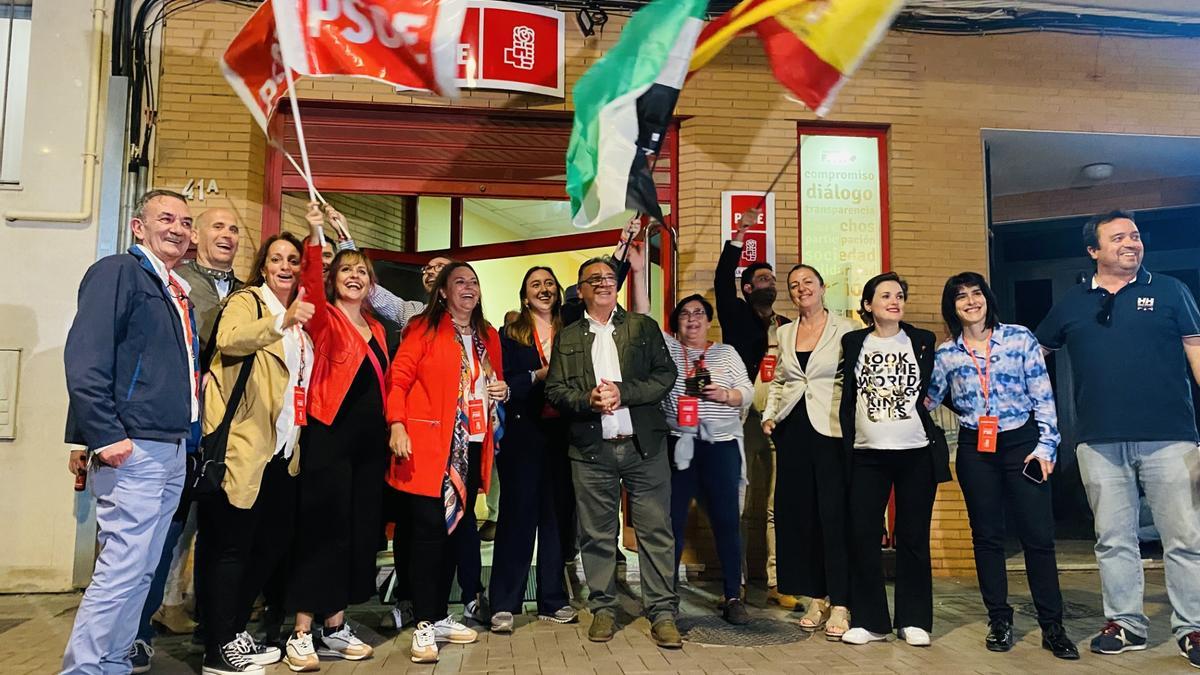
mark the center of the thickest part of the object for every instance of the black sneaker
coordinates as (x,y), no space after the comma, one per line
(230,661)
(1054,638)
(139,656)
(735,612)
(1189,648)
(262,654)
(1000,636)
(1114,639)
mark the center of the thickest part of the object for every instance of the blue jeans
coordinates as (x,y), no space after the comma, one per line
(158,585)
(1169,472)
(714,476)
(134,505)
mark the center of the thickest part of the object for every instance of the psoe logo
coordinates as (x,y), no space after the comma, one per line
(520,55)
(1145,304)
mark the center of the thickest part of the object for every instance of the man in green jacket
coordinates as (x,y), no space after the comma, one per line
(608,373)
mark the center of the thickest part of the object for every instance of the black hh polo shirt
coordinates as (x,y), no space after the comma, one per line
(1132,381)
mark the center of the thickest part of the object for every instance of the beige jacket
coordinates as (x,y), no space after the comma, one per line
(819,385)
(252,432)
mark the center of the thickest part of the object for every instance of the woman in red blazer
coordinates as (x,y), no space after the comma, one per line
(343,456)
(443,407)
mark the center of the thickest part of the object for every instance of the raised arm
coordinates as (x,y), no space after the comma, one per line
(241,331)
(312,278)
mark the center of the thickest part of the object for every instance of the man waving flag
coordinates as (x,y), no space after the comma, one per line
(623,106)
(813,45)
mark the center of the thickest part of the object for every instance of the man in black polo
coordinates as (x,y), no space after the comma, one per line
(748,323)
(1133,336)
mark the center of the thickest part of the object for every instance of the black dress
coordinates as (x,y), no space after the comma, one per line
(811,555)
(342,468)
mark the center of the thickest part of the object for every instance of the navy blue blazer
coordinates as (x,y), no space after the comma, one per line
(126,357)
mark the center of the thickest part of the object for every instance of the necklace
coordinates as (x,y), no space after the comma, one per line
(461,328)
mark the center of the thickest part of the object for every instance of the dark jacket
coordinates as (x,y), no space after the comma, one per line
(524,424)
(647,374)
(126,359)
(206,301)
(741,326)
(923,343)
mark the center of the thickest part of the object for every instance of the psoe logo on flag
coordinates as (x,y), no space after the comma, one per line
(1145,304)
(522,54)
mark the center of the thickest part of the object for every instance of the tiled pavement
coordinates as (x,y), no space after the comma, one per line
(34,628)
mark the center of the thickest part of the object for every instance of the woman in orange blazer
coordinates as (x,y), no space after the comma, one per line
(345,453)
(443,407)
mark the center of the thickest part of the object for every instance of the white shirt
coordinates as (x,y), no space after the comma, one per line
(222,286)
(166,276)
(607,365)
(480,391)
(298,356)
(889,384)
(726,369)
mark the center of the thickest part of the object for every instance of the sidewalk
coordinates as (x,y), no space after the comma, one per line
(35,629)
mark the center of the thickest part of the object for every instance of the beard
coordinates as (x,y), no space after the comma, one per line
(762,298)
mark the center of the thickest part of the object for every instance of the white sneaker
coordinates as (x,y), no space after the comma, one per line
(915,637)
(478,612)
(424,644)
(502,622)
(861,636)
(300,655)
(343,644)
(263,655)
(449,630)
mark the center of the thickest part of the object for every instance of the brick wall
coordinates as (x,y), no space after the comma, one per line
(934,93)
(375,221)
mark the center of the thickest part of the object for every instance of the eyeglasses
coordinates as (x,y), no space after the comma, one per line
(433,269)
(697,313)
(1104,316)
(598,280)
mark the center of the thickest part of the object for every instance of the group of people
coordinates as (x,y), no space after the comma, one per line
(327,434)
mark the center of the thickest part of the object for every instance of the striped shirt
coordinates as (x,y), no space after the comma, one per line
(727,370)
(1017,379)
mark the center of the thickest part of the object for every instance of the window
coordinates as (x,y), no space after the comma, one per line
(14,64)
(844,209)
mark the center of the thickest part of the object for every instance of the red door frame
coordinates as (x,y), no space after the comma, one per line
(275,183)
(880,133)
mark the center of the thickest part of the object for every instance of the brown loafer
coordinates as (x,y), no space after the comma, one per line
(666,634)
(603,627)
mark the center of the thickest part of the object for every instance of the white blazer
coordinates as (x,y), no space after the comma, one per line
(819,385)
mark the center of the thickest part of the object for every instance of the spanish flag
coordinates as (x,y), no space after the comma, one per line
(813,45)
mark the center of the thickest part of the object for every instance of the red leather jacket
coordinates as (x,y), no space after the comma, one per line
(340,347)
(424,398)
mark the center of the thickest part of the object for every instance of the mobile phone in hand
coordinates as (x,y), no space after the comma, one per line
(1033,471)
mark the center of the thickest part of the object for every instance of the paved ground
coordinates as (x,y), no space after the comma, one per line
(35,628)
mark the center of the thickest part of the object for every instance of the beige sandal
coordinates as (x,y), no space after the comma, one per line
(816,616)
(838,623)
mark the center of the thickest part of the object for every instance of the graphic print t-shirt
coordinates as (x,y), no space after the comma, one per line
(889,384)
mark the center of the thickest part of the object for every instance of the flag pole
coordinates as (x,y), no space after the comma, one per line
(295,165)
(307,172)
(778,176)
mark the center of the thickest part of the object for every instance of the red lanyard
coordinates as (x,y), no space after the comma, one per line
(538,343)
(687,361)
(983,373)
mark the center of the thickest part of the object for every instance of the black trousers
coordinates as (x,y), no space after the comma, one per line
(873,475)
(340,509)
(994,487)
(537,496)
(812,550)
(436,555)
(241,549)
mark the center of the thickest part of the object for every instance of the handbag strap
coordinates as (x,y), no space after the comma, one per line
(239,387)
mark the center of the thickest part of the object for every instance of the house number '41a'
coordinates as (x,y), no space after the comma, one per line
(200,188)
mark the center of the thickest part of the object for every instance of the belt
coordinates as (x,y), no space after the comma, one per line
(620,439)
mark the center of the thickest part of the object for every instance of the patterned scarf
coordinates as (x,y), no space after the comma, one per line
(454,485)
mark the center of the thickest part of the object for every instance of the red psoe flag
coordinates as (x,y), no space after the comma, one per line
(408,43)
(253,66)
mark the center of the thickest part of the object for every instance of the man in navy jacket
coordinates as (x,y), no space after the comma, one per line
(132,378)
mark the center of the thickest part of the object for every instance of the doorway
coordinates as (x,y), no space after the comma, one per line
(1042,187)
